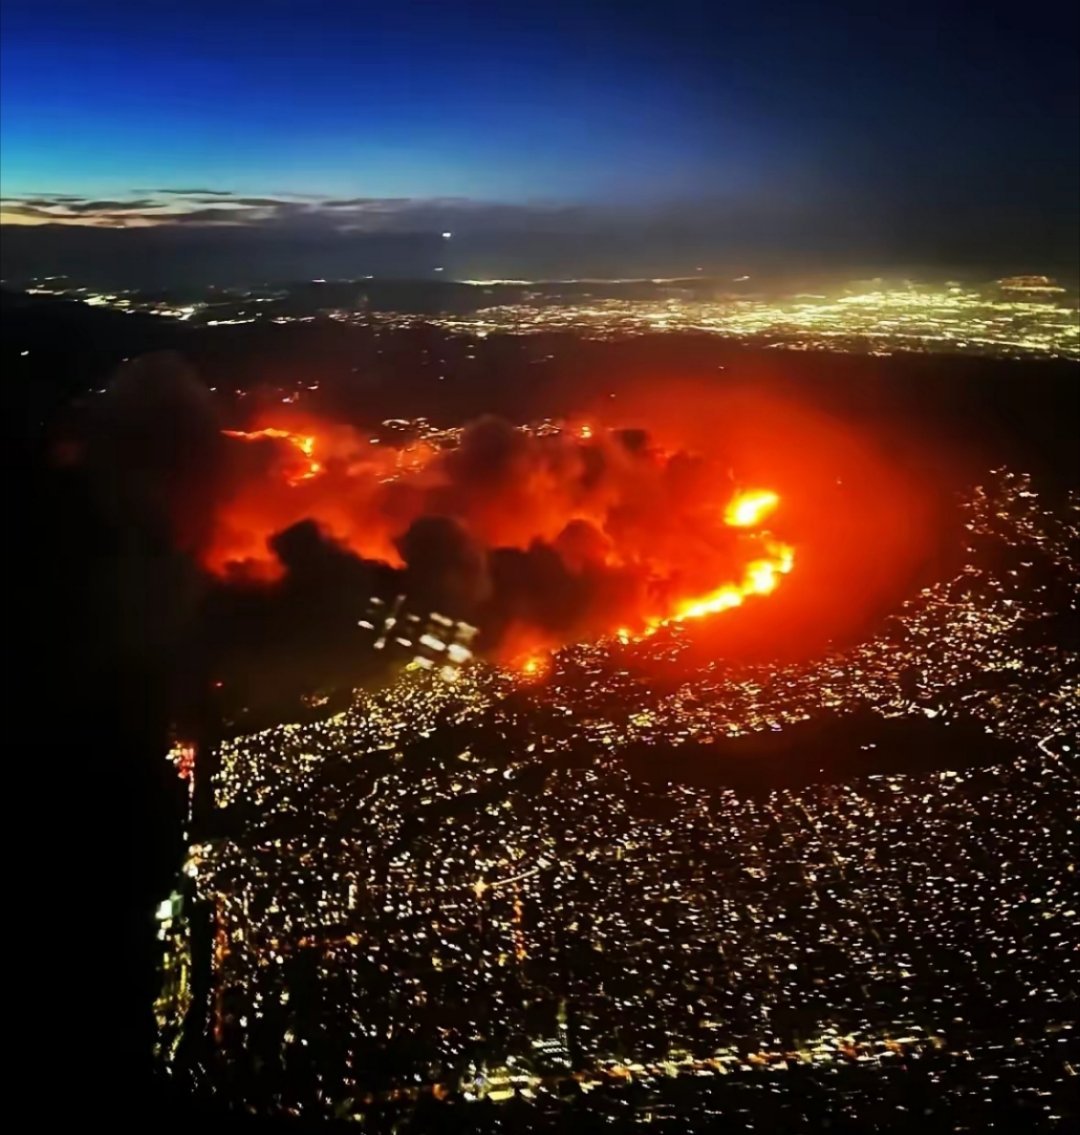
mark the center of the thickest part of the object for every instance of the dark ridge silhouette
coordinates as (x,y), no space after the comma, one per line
(828,749)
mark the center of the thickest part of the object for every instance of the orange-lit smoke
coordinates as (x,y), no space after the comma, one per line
(586,532)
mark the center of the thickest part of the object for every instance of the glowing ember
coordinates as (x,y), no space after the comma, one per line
(534,665)
(182,756)
(749,509)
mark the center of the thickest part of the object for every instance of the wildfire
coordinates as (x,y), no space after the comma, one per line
(302,443)
(642,524)
(760,577)
(749,509)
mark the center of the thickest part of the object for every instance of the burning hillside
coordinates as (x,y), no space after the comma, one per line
(564,531)
(545,536)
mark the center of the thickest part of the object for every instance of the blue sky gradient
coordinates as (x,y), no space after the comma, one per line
(893,121)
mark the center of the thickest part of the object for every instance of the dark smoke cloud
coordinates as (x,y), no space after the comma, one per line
(446,570)
(271,643)
(151,454)
(155,450)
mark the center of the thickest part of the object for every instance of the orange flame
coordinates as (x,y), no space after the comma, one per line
(534,665)
(747,510)
(759,578)
(366,495)
(304,444)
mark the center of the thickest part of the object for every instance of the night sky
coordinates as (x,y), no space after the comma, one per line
(625,137)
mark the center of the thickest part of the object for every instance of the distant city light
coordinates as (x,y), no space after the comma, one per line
(1023,316)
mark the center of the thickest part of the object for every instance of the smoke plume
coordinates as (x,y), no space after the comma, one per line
(553,535)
